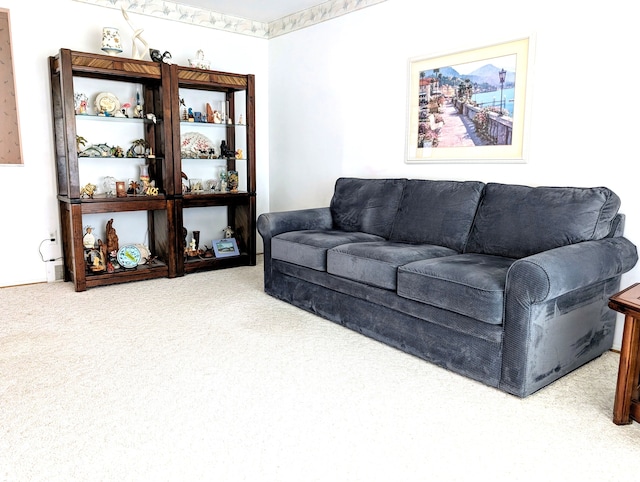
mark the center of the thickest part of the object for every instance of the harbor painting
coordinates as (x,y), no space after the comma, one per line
(469,106)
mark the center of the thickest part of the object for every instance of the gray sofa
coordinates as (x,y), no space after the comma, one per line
(505,284)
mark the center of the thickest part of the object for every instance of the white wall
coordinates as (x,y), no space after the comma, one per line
(338,95)
(27,193)
(331,101)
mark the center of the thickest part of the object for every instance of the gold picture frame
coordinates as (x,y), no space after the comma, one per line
(469,106)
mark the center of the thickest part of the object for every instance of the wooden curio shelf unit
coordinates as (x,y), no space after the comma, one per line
(241,205)
(159,85)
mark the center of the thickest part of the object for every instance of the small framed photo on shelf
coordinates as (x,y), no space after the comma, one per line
(225,247)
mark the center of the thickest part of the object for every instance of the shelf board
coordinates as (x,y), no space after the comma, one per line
(210,124)
(214,199)
(157,270)
(192,265)
(102,204)
(112,118)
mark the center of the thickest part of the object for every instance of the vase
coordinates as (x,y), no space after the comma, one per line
(111,41)
(144,173)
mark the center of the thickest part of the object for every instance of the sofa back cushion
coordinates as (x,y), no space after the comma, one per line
(517,221)
(437,212)
(366,205)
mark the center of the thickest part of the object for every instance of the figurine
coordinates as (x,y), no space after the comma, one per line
(109,185)
(199,62)
(232,181)
(80,142)
(138,148)
(88,190)
(223,180)
(156,56)
(228,232)
(98,259)
(89,240)
(225,151)
(81,103)
(184,116)
(137,32)
(138,112)
(112,239)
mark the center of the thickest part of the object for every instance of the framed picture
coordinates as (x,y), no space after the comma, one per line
(225,247)
(11,152)
(469,106)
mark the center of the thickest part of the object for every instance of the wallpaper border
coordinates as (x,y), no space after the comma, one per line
(210,19)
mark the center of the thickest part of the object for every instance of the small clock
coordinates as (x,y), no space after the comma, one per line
(129,256)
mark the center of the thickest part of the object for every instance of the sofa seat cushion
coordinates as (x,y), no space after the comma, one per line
(309,247)
(468,284)
(376,263)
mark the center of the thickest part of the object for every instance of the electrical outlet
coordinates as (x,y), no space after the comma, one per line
(53,235)
(55,272)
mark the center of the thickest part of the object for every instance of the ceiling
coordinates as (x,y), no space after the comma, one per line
(259,10)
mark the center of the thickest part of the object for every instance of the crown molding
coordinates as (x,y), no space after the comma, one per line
(207,18)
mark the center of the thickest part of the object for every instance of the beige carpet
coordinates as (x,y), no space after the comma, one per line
(207,378)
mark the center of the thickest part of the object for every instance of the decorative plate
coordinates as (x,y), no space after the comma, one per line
(98,150)
(193,144)
(108,103)
(129,256)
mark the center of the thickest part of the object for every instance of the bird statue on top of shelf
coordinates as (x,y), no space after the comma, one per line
(137,36)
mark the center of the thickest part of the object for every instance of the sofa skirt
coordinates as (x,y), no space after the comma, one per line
(458,350)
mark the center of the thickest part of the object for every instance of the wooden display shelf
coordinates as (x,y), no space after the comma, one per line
(159,85)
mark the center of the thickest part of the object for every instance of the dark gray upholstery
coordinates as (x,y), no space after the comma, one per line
(512,291)
(469,284)
(517,221)
(367,205)
(377,263)
(309,248)
(437,212)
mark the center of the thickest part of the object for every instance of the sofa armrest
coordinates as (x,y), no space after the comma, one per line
(272,224)
(555,272)
(556,316)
